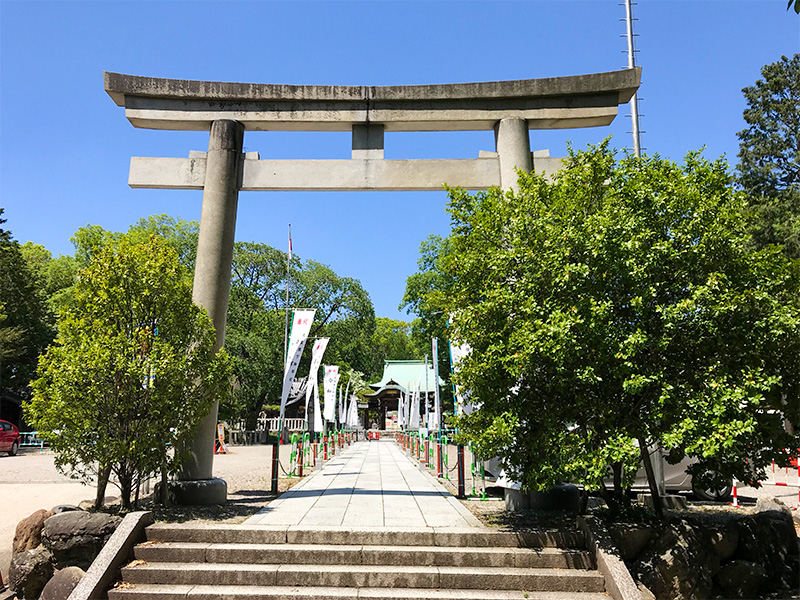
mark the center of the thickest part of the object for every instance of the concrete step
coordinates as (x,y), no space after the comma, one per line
(215,592)
(379,536)
(325,554)
(378,576)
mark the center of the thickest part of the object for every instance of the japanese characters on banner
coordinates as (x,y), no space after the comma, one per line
(316,361)
(331,381)
(463,405)
(301,326)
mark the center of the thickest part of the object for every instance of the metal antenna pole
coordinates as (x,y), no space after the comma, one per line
(634,102)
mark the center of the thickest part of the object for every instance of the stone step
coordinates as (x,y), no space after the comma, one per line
(214,592)
(324,554)
(379,536)
(485,578)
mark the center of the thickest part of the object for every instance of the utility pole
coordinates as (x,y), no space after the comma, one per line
(634,102)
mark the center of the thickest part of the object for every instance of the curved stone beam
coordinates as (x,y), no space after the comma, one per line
(549,103)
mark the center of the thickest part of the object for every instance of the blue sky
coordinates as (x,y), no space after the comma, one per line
(65,146)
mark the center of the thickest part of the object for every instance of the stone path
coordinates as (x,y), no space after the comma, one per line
(371,484)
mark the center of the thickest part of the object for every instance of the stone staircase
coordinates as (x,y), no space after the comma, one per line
(237,562)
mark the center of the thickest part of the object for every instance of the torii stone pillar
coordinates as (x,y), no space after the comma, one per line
(212,282)
(513,149)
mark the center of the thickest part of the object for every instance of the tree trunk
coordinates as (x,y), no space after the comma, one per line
(651,478)
(611,502)
(164,491)
(103,473)
(125,489)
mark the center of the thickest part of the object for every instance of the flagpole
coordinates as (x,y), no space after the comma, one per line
(286,324)
(288,279)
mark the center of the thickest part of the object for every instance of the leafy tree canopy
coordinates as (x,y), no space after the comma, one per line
(133,368)
(622,301)
(769,154)
(26,324)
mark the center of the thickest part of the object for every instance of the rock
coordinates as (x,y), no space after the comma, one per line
(769,539)
(562,496)
(29,572)
(76,537)
(723,540)
(677,563)
(769,503)
(742,579)
(64,508)
(28,534)
(630,539)
(516,500)
(646,593)
(62,584)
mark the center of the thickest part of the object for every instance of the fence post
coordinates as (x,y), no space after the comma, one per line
(275,463)
(300,460)
(461,481)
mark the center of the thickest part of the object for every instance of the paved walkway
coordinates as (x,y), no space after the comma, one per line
(371,484)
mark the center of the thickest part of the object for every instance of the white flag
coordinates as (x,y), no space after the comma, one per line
(401,409)
(413,421)
(331,381)
(437,411)
(316,361)
(313,384)
(352,417)
(301,326)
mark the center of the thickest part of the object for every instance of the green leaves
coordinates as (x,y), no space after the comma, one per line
(769,164)
(133,368)
(620,300)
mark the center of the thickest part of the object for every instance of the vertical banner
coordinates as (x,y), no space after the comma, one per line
(352,416)
(427,388)
(463,406)
(331,381)
(413,421)
(437,418)
(313,384)
(301,326)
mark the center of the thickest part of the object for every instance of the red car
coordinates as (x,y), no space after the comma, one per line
(9,438)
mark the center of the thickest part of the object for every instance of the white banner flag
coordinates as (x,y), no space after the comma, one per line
(316,361)
(331,381)
(352,417)
(301,326)
(437,410)
(413,421)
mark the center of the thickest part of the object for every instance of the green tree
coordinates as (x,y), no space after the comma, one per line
(344,313)
(392,341)
(254,333)
(769,154)
(622,301)
(132,369)
(54,277)
(179,234)
(26,328)
(256,320)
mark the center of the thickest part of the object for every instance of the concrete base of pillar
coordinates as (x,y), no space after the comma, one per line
(200,491)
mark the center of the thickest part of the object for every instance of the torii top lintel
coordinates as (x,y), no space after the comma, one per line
(549,103)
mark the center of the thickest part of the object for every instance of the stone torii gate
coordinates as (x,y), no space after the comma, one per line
(509,108)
